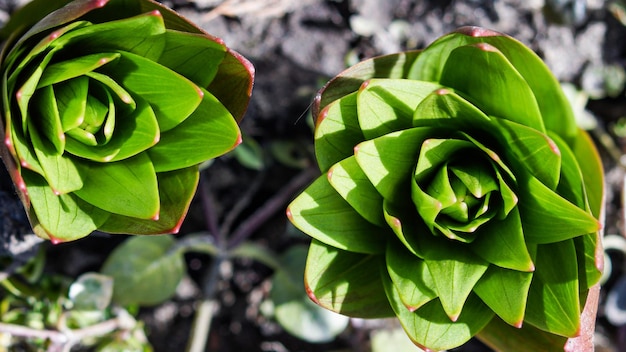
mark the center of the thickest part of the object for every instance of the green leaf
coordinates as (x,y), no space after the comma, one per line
(71,99)
(387,105)
(477,177)
(350,182)
(19,58)
(455,271)
(192,55)
(381,339)
(114,87)
(337,132)
(590,259)
(391,66)
(388,161)
(410,275)
(292,153)
(407,227)
(44,15)
(505,292)
(250,154)
(45,117)
(572,186)
(28,88)
(91,291)
(59,170)
(137,74)
(232,84)
(22,148)
(430,327)
(141,35)
(176,190)
(294,311)
(534,150)
(74,67)
(548,217)
(63,217)
(208,132)
(128,187)
(555,109)
(134,133)
(592,171)
(553,301)
(501,242)
(260,253)
(144,270)
(427,206)
(431,165)
(503,337)
(95,114)
(442,105)
(332,274)
(324,215)
(488,80)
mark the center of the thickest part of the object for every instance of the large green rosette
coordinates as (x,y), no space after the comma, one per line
(457,194)
(108,108)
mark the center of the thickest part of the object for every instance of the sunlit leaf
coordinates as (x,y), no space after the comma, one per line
(293,310)
(320,210)
(430,326)
(331,274)
(197,138)
(492,194)
(133,181)
(553,301)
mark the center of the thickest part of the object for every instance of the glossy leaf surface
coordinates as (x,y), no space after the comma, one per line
(490,196)
(108,108)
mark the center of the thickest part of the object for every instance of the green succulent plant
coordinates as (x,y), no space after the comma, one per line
(108,108)
(457,194)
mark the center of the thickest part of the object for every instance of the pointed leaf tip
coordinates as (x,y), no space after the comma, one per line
(364,85)
(395,222)
(474,31)
(487,47)
(321,116)
(238,141)
(55,240)
(200,92)
(311,294)
(329,174)
(176,229)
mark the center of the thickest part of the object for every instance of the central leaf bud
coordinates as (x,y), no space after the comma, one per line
(454,197)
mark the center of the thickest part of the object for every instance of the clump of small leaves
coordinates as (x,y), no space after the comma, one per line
(458,194)
(108,108)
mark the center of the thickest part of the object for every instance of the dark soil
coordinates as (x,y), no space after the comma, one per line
(296,46)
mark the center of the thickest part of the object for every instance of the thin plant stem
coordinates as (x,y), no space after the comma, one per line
(271,206)
(242,203)
(203,318)
(66,338)
(206,307)
(208,205)
(201,326)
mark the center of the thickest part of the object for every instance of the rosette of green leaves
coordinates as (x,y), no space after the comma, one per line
(109,107)
(457,194)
